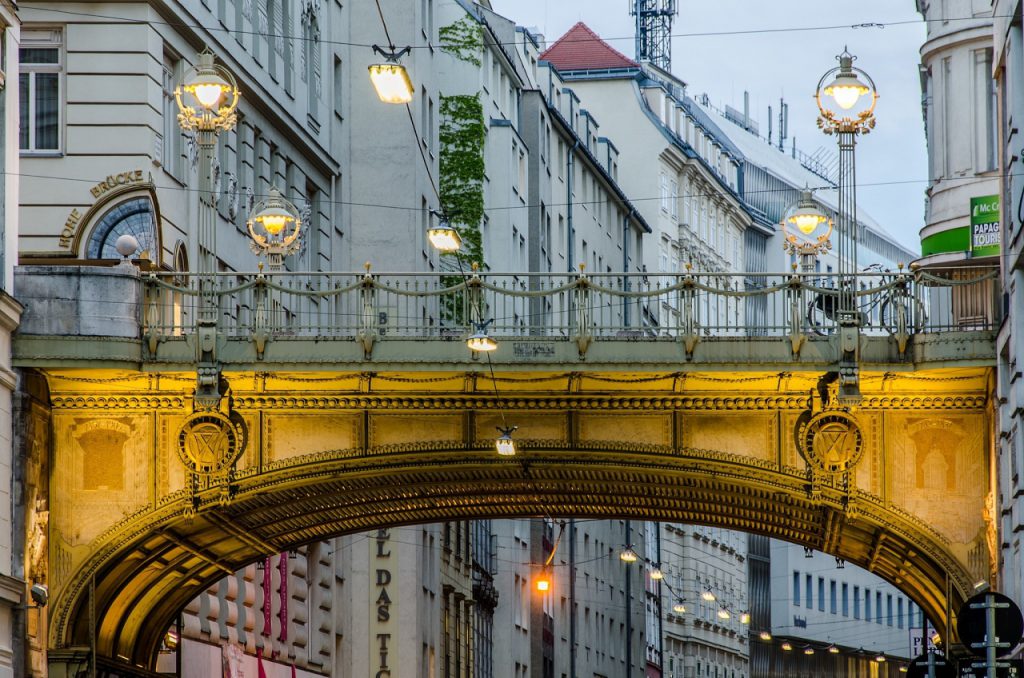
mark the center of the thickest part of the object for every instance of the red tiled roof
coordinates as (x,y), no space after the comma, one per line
(583,49)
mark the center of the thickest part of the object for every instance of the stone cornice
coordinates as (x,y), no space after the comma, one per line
(10,312)
(459,402)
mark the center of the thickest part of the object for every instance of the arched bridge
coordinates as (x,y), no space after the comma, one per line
(188,441)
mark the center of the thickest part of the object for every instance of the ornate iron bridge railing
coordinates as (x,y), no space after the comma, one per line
(605,306)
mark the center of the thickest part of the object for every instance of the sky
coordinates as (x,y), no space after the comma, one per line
(765,48)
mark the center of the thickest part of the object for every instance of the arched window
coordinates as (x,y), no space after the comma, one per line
(133,217)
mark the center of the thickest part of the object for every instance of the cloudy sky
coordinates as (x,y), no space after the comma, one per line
(780,49)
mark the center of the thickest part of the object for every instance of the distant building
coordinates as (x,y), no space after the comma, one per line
(827,618)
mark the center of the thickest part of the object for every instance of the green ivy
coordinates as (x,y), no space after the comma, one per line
(463,39)
(462,135)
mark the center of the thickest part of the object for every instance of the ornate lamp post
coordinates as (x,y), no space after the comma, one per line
(275,227)
(207,100)
(807,219)
(846,99)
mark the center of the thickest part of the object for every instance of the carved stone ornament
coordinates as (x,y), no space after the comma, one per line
(209,443)
(831,441)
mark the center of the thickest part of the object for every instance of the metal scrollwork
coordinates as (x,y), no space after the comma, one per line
(209,443)
(831,442)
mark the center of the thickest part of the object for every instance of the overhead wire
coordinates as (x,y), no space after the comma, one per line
(691,34)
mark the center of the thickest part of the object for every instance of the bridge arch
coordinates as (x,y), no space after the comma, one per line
(725,459)
(143,582)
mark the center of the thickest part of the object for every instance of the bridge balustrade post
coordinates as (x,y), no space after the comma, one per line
(581,296)
(687,302)
(368,297)
(151,317)
(260,331)
(795,293)
(901,294)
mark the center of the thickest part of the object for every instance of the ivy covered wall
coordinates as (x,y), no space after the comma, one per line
(462,135)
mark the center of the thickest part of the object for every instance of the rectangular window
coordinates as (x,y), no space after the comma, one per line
(985,108)
(899,613)
(888,610)
(170,147)
(856,602)
(846,599)
(796,589)
(39,85)
(339,84)
(674,197)
(821,594)
(664,193)
(878,607)
(867,605)
(949,95)
(809,592)
(833,602)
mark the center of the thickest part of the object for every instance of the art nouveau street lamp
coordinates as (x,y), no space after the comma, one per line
(807,231)
(846,99)
(275,227)
(207,101)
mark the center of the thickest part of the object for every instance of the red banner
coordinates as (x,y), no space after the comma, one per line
(266,596)
(283,567)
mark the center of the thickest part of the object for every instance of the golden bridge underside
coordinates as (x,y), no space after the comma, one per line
(327,454)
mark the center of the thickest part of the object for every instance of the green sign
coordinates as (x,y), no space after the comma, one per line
(985,226)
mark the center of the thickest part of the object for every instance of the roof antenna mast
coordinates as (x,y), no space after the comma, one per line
(654,31)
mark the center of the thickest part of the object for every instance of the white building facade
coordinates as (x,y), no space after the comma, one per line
(1008,48)
(15,553)
(961,123)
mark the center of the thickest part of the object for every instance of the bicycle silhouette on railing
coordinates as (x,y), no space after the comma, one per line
(890,306)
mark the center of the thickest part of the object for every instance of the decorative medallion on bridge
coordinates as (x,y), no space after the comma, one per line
(831,441)
(209,443)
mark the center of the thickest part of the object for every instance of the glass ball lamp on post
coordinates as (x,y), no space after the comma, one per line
(846,98)
(275,228)
(809,241)
(207,99)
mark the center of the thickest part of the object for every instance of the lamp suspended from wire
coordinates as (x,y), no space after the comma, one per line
(480,340)
(708,595)
(657,574)
(679,607)
(390,79)
(543,581)
(628,555)
(444,238)
(505,444)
